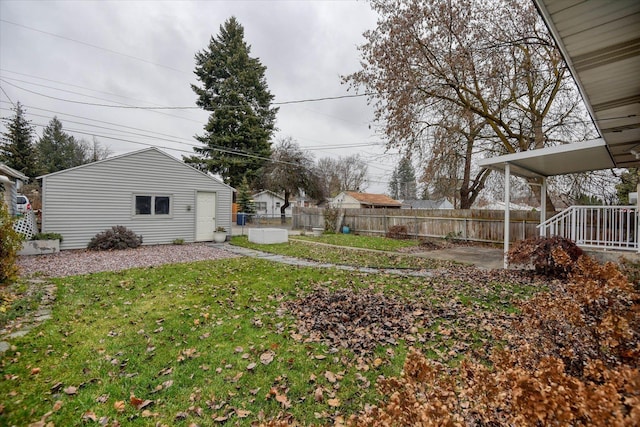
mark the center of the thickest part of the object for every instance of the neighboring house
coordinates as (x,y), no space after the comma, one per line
(354,200)
(148,191)
(268,203)
(427,204)
(10,183)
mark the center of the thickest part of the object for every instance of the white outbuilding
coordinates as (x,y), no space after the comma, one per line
(148,191)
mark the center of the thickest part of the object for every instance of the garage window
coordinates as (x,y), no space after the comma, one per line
(152,205)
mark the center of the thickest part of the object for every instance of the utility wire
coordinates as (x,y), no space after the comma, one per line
(171,139)
(163,136)
(210,148)
(219,149)
(95,120)
(97,105)
(94,46)
(67,84)
(125,97)
(8,97)
(122,105)
(137,107)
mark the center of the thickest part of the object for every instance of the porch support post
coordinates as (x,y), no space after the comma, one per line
(637,218)
(507,193)
(543,206)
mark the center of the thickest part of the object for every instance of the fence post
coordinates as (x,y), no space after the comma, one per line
(386,224)
(464,230)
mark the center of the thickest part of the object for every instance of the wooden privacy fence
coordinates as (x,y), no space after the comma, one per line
(469,224)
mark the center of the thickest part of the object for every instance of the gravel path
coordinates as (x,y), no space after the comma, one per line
(73,262)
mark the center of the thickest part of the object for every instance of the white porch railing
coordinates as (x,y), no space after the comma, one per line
(598,227)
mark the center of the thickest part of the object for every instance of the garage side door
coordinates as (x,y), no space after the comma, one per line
(205,216)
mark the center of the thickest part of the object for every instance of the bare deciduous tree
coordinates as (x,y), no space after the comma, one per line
(290,172)
(429,61)
(347,173)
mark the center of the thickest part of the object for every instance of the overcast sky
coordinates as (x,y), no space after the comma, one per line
(141,53)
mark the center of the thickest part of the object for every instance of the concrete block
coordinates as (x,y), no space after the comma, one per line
(267,236)
(39,247)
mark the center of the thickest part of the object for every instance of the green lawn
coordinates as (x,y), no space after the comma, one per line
(191,343)
(362,242)
(359,251)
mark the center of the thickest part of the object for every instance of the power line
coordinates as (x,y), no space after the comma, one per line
(7,95)
(233,152)
(122,96)
(68,84)
(133,107)
(94,46)
(211,148)
(95,120)
(326,98)
(173,140)
(137,107)
(122,105)
(67,91)
(162,136)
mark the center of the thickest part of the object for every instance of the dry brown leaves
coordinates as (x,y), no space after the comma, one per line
(592,322)
(358,320)
(361,319)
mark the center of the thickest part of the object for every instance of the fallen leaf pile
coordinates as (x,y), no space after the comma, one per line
(358,320)
(571,359)
(362,319)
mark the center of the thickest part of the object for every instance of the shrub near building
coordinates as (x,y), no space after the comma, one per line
(118,237)
(10,244)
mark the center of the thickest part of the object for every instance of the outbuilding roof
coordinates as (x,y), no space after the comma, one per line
(133,153)
(373,199)
(9,171)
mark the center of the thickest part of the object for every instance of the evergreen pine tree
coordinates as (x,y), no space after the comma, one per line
(393,184)
(403,181)
(58,150)
(235,90)
(245,204)
(17,149)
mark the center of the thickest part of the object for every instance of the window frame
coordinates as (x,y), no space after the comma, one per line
(153,213)
(261,206)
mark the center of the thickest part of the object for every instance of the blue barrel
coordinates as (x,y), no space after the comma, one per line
(241,219)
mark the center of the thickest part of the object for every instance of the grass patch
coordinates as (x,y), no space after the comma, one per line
(343,255)
(16,300)
(362,242)
(210,340)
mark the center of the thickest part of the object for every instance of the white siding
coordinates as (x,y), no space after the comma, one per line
(345,201)
(81,202)
(271,201)
(9,197)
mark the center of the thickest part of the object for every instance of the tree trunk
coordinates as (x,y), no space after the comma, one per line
(538,135)
(534,185)
(283,208)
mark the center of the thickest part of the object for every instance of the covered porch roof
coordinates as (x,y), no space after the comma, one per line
(600,42)
(559,160)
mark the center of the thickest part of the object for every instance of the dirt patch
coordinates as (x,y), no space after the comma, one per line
(428,245)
